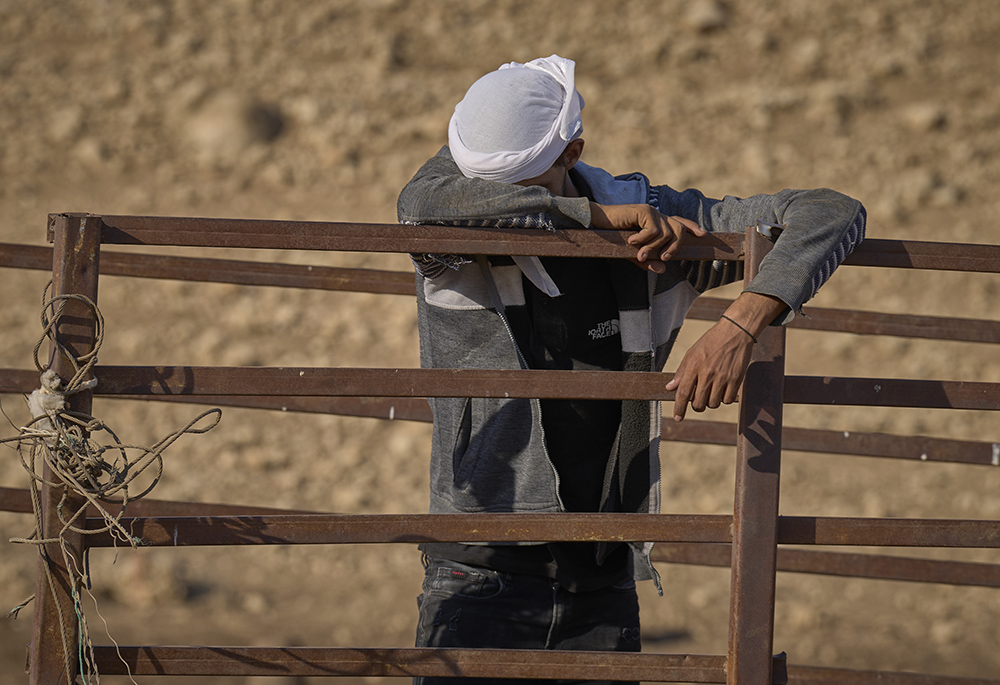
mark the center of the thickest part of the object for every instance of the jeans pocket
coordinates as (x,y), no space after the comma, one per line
(452,579)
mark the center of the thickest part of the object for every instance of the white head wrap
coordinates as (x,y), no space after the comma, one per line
(514,122)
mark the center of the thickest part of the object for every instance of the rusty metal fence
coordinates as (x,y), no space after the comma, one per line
(747,541)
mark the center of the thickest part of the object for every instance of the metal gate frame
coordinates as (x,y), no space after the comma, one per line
(754,531)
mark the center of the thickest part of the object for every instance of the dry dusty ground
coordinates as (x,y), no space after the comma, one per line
(321,111)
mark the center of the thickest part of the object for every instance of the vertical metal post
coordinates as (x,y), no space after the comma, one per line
(755,512)
(75,263)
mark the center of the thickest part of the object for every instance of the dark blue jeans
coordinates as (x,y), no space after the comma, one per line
(476,608)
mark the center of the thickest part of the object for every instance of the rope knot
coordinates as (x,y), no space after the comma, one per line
(62,440)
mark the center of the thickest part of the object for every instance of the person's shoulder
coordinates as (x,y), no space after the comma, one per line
(632,188)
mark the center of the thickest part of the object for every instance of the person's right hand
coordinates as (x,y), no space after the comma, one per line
(658,237)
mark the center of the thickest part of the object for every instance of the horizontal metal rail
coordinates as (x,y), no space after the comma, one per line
(316,235)
(816,440)
(870,323)
(18,500)
(320,529)
(366,237)
(872,566)
(203,269)
(884,532)
(365,382)
(490,663)
(208,270)
(817,675)
(856,443)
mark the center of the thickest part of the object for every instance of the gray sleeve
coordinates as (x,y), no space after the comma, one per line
(821,228)
(440,194)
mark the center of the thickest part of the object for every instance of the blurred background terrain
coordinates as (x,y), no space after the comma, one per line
(323,110)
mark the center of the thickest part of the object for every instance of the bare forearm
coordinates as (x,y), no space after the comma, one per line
(712,371)
(753,312)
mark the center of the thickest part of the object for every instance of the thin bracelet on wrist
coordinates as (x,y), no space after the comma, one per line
(740,327)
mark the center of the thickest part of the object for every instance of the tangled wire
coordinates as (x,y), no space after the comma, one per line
(81,467)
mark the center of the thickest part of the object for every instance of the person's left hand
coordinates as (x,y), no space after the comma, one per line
(712,370)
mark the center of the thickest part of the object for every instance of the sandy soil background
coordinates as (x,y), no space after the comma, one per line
(321,111)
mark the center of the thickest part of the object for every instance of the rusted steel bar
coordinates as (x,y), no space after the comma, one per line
(916,254)
(891,392)
(700,554)
(489,663)
(18,380)
(871,323)
(351,237)
(316,529)
(364,382)
(34,257)
(401,283)
(392,408)
(17,500)
(706,432)
(56,633)
(755,506)
(873,566)
(493,663)
(884,567)
(856,443)
(209,270)
(356,382)
(816,675)
(321,529)
(875,532)
(914,447)
(315,235)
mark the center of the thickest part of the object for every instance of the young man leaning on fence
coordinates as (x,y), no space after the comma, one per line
(513,160)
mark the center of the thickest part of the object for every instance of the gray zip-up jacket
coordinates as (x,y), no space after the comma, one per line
(489,454)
